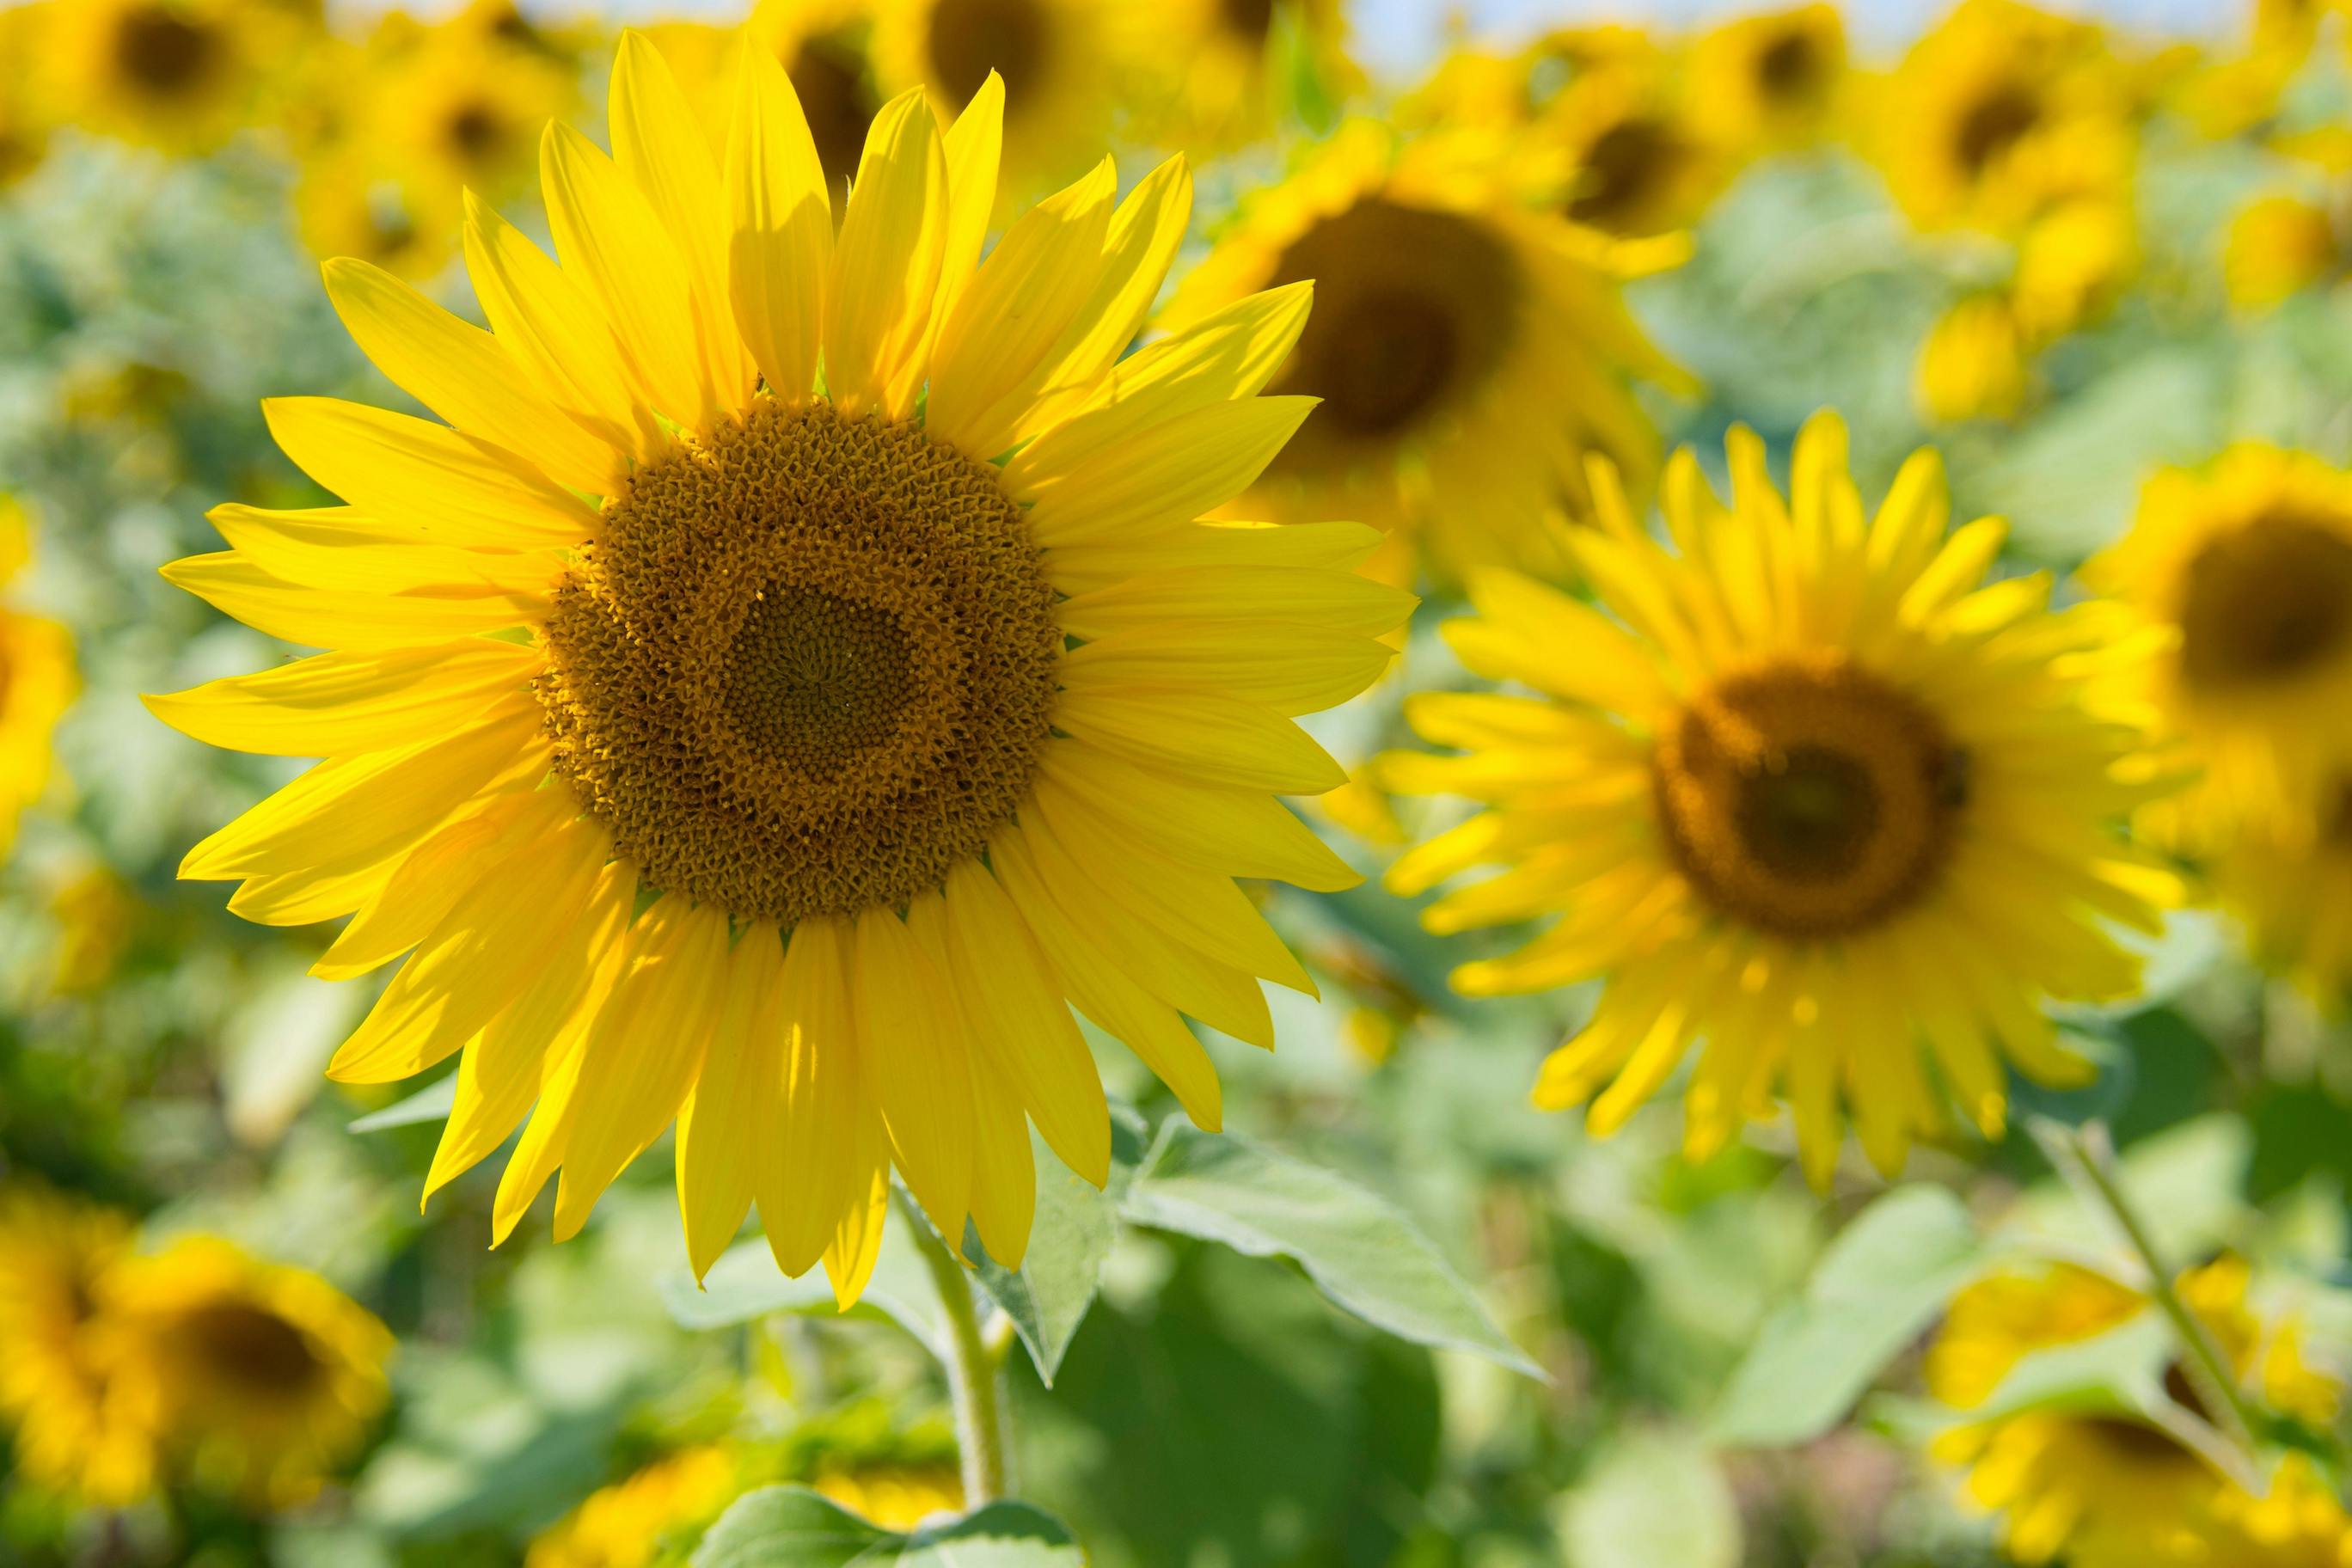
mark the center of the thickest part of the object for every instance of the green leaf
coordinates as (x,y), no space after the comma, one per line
(431,1103)
(1655,1498)
(791,1527)
(1046,1297)
(1363,1254)
(745,1284)
(1879,1283)
(2187,1183)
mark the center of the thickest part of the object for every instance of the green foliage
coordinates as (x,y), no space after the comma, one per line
(790,1527)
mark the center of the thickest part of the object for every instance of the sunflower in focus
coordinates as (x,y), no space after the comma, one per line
(1999,113)
(1467,348)
(261,1378)
(74,1433)
(178,75)
(629,1523)
(2121,1490)
(793,790)
(1214,87)
(37,682)
(1805,798)
(2245,567)
(1065,66)
(1770,81)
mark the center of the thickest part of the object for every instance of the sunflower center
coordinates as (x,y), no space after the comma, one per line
(1413,307)
(256,1349)
(1995,123)
(162,51)
(1808,798)
(969,39)
(1787,67)
(1250,20)
(2267,602)
(806,668)
(1623,166)
(827,75)
(475,129)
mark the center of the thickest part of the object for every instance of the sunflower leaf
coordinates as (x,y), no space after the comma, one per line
(1362,1253)
(791,1527)
(745,1284)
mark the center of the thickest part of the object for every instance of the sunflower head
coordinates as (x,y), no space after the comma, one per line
(1207,70)
(75,1431)
(799,673)
(629,1523)
(1641,166)
(262,1379)
(2279,245)
(1810,800)
(173,74)
(1771,80)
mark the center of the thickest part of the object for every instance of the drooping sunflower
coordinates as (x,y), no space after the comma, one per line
(1770,81)
(1468,348)
(793,790)
(261,1379)
(1999,112)
(37,682)
(74,1432)
(2121,1490)
(1210,67)
(1064,64)
(1807,799)
(630,1523)
(179,75)
(2244,566)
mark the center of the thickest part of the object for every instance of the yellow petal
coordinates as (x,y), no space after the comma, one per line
(660,148)
(1106,562)
(1235,833)
(1203,736)
(975,146)
(307,897)
(885,265)
(810,1183)
(1287,669)
(856,1242)
(1170,474)
(610,238)
(324,618)
(455,489)
(337,548)
(547,322)
(1335,601)
(730,1119)
(918,1074)
(335,702)
(424,887)
(464,374)
(780,240)
(1004,1170)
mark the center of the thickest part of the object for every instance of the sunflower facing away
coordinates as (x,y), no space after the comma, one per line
(37,682)
(1467,348)
(74,1433)
(2122,1489)
(1807,798)
(793,789)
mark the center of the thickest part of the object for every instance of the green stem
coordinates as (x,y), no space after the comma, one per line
(974,1367)
(2086,1158)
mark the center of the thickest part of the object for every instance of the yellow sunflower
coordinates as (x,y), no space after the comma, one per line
(261,1379)
(37,682)
(1065,66)
(1642,164)
(894,1496)
(2244,566)
(1770,81)
(463,106)
(2121,1490)
(628,1524)
(74,1431)
(24,113)
(1999,112)
(347,203)
(1804,795)
(823,46)
(793,791)
(1972,364)
(179,75)
(1468,348)
(1211,64)
(2278,246)
(2283,869)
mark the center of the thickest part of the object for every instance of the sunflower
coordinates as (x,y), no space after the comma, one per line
(2283,869)
(346,203)
(1065,66)
(792,791)
(1999,112)
(462,107)
(1642,164)
(2120,1490)
(1812,798)
(1771,80)
(2278,246)
(179,75)
(1972,364)
(1217,61)
(629,1523)
(262,1379)
(24,118)
(37,682)
(75,1432)
(2244,566)
(1468,350)
(894,1496)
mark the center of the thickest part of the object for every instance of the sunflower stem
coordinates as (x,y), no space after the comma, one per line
(2086,1158)
(974,1365)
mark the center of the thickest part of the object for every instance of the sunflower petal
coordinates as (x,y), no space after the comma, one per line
(886,264)
(335,702)
(780,240)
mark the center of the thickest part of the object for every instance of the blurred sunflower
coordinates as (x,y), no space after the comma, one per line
(1064,64)
(629,1523)
(1972,364)
(346,205)
(24,114)
(179,75)
(823,46)
(2245,567)
(1768,81)
(1641,165)
(1813,803)
(2278,246)
(814,662)
(1999,112)
(894,1496)
(262,1379)
(1212,64)
(2285,870)
(462,108)
(1468,348)
(37,682)
(74,1431)
(2118,1489)
(2072,262)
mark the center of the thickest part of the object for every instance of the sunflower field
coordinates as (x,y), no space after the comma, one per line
(1009,784)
